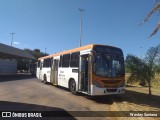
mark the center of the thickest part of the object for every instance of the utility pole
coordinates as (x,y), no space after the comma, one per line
(12,38)
(80,41)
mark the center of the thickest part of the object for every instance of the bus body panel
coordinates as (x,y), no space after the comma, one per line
(95,91)
(65,74)
(46,71)
(88,78)
(85,52)
(38,72)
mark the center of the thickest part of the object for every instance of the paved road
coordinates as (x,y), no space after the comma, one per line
(25,92)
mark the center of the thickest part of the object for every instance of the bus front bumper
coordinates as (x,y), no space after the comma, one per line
(106,91)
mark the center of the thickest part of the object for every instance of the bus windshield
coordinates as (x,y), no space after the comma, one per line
(108,65)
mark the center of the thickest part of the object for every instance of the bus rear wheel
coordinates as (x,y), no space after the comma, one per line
(72,87)
(44,79)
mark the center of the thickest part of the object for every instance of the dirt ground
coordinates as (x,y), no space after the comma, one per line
(137,99)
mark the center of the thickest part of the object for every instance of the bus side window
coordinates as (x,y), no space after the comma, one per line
(48,62)
(51,64)
(60,62)
(74,59)
(44,62)
(66,60)
(38,64)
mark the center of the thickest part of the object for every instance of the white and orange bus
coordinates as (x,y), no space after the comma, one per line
(93,69)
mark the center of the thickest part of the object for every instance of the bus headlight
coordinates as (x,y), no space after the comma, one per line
(97,84)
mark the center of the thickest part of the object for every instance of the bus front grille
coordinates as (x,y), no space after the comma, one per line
(111,81)
(111,90)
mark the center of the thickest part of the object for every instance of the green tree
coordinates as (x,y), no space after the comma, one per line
(143,70)
(36,53)
(23,64)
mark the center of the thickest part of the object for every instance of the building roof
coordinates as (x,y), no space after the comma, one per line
(14,53)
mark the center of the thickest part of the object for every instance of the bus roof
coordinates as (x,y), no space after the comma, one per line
(90,46)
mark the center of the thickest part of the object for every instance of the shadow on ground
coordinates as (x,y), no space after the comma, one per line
(130,97)
(5,78)
(139,98)
(101,99)
(45,110)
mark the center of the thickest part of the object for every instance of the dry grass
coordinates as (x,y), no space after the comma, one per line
(155,82)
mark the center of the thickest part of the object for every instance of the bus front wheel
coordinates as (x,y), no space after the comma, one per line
(72,87)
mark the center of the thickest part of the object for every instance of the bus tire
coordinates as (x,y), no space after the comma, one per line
(44,79)
(72,87)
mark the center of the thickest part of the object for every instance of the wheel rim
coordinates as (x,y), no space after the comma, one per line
(73,86)
(45,81)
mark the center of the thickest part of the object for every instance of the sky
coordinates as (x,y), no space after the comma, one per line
(55,24)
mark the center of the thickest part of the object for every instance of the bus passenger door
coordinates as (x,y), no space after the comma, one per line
(54,72)
(84,73)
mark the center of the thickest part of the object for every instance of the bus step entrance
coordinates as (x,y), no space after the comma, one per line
(84,84)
